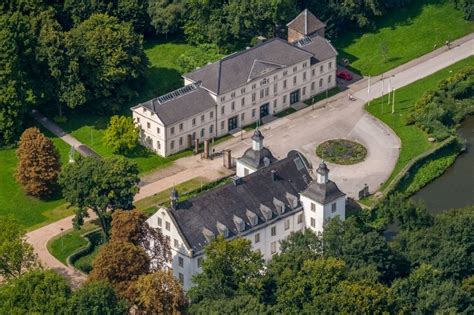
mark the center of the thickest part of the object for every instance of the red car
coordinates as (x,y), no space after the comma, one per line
(344,74)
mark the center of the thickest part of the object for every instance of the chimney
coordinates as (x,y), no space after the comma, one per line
(236,180)
(174,199)
(274,175)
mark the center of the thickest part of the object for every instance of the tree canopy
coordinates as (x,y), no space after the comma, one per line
(121,134)
(103,185)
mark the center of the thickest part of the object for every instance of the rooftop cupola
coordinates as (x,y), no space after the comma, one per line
(174,198)
(322,173)
(257,140)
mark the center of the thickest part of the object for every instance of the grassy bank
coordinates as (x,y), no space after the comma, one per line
(402,35)
(414,140)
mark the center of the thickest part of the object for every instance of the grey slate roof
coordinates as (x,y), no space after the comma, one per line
(224,203)
(306,23)
(323,193)
(180,105)
(318,46)
(256,159)
(237,69)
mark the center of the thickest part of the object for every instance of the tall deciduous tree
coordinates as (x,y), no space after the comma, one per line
(102,185)
(166,15)
(111,58)
(131,227)
(122,134)
(36,292)
(96,298)
(158,293)
(39,164)
(229,267)
(16,255)
(120,263)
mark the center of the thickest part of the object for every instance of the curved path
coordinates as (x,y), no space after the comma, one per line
(303,130)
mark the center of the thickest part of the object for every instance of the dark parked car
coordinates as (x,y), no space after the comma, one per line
(344,74)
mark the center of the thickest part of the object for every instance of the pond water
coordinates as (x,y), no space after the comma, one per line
(455,188)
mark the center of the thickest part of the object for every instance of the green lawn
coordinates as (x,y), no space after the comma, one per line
(414,140)
(30,212)
(163,76)
(402,36)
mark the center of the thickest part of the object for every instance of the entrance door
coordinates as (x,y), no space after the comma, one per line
(294,97)
(233,123)
(264,110)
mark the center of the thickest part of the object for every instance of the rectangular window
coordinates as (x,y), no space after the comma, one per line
(254,86)
(211,115)
(300,218)
(181,278)
(202,133)
(333,207)
(253,113)
(232,106)
(138,119)
(305,65)
(304,76)
(273,247)
(222,125)
(167,226)
(176,243)
(180,261)
(312,86)
(222,98)
(232,94)
(320,82)
(274,103)
(158,130)
(321,69)
(254,97)
(242,102)
(242,91)
(159,144)
(284,84)
(285,72)
(180,126)
(304,90)
(267,91)
(329,79)
(160,222)
(294,80)
(180,141)
(211,129)
(273,230)
(257,238)
(148,125)
(313,222)
(313,207)
(199,262)
(261,93)
(284,99)
(275,88)
(275,77)
(242,116)
(222,110)
(172,144)
(202,118)
(295,68)
(172,130)
(313,72)
(330,65)
(287,224)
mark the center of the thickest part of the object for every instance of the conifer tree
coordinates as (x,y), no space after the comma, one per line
(39,163)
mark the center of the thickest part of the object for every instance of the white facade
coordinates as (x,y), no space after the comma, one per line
(243,103)
(265,237)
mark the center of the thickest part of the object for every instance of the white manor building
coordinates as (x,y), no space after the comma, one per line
(267,201)
(241,88)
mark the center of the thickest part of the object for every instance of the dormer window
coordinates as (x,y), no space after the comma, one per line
(292,200)
(223,230)
(239,223)
(279,205)
(266,212)
(208,234)
(252,217)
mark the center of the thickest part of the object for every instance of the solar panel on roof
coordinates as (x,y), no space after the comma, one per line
(306,40)
(177,93)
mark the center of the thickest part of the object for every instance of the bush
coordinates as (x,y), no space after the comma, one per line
(341,151)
